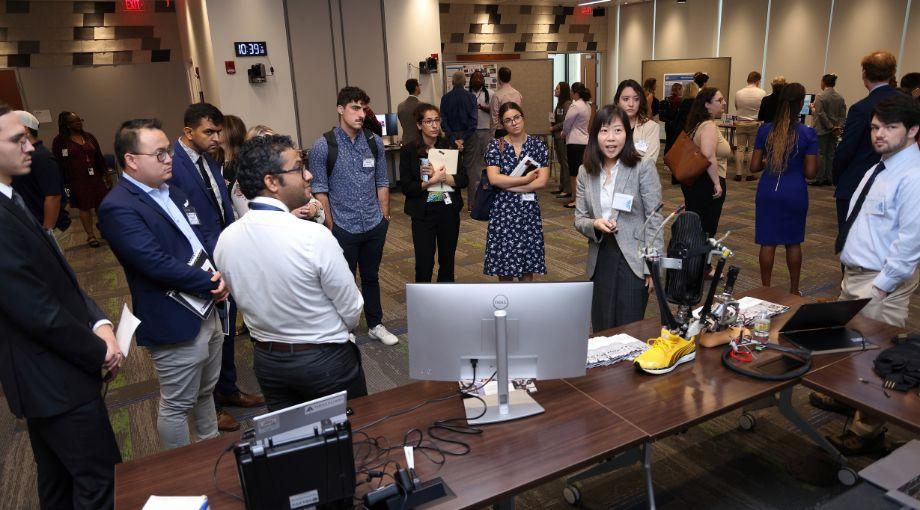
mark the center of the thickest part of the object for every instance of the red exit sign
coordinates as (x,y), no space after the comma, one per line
(134,5)
(587,10)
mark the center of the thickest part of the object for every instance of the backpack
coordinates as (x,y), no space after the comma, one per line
(485,193)
(333,153)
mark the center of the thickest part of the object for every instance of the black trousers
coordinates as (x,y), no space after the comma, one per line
(291,378)
(439,229)
(76,455)
(575,153)
(619,297)
(698,199)
(226,382)
(363,252)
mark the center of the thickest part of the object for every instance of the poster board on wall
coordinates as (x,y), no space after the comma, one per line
(533,78)
(677,70)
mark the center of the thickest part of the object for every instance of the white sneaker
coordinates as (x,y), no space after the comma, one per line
(380,333)
(352,338)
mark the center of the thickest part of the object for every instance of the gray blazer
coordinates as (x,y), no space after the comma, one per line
(642,183)
(830,111)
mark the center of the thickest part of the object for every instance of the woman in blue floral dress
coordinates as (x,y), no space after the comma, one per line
(514,243)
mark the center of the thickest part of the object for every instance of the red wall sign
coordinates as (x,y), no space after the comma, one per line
(134,5)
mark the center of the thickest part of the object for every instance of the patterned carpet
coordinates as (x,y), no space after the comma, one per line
(710,466)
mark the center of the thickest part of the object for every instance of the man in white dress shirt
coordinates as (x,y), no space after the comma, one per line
(290,279)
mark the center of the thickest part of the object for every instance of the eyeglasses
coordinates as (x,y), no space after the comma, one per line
(513,120)
(162,155)
(431,122)
(299,168)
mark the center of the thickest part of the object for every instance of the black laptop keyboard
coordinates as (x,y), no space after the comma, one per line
(911,488)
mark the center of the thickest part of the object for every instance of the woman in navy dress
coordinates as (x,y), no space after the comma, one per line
(788,151)
(514,242)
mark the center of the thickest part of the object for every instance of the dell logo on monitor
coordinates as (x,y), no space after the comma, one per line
(500,302)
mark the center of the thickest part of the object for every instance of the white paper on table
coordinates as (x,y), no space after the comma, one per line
(446,158)
(176,503)
(127,325)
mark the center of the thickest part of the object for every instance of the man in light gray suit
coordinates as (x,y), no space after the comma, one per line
(405,112)
(829,110)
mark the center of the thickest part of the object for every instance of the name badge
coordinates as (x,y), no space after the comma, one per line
(622,202)
(192,215)
(64,152)
(874,206)
(528,197)
(641,145)
(447,199)
(368,162)
(91,171)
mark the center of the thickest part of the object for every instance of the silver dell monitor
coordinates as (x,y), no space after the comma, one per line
(514,330)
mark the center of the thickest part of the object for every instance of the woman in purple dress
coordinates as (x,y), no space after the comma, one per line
(788,151)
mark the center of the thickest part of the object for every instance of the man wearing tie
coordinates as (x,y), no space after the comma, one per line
(200,177)
(54,344)
(153,231)
(879,243)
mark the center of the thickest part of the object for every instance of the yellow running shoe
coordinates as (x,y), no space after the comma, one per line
(665,353)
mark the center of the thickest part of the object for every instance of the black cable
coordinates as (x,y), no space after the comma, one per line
(214,475)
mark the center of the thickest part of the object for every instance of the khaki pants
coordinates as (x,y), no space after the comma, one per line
(892,309)
(745,133)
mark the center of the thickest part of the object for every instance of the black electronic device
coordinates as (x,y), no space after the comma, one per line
(821,327)
(313,472)
(428,66)
(688,242)
(407,492)
(250,49)
(256,73)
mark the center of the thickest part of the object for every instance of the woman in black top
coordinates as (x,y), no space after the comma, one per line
(435,214)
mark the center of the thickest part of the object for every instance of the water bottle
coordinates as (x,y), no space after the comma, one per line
(424,163)
(762,327)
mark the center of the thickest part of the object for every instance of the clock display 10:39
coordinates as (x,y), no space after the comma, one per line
(251,49)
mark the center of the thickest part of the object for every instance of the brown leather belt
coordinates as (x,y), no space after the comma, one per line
(284,347)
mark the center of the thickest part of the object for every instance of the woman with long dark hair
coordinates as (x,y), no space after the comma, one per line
(563,101)
(231,139)
(651,102)
(707,195)
(617,191)
(435,214)
(575,131)
(514,241)
(80,157)
(788,151)
(631,98)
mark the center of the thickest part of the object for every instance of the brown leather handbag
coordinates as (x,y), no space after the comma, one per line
(686,160)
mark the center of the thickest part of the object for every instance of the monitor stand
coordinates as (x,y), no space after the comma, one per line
(505,405)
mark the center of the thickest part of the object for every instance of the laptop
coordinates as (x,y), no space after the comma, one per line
(821,327)
(899,474)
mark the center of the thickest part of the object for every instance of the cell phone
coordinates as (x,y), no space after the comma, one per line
(529,166)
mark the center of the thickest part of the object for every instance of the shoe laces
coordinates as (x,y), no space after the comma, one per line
(661,343)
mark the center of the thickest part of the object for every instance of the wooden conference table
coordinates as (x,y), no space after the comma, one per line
(612,410)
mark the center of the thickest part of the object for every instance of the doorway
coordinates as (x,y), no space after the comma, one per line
(583,67)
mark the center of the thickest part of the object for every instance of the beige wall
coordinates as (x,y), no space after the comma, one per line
(798,38)
(850,40)
(635,41)
(272,102)
(743,24)
(413,32)
(686,30)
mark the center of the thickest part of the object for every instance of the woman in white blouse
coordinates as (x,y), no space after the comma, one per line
(575,132)
(631,98)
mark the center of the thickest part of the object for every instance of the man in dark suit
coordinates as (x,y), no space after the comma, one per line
(54,344)
(153,231)
(200,177)
(855,153)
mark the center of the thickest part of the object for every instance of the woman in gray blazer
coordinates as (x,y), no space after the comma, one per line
(616,191)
